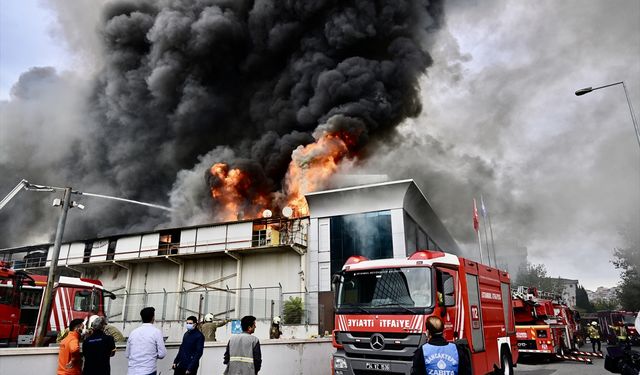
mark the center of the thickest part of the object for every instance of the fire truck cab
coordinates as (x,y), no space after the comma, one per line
(382,306)
(21,301)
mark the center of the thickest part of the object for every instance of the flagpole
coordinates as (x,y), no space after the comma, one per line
(476,226)
(493,245)
(484,227)
(480,246)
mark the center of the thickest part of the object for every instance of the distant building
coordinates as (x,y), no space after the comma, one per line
(568,290)
(603,294)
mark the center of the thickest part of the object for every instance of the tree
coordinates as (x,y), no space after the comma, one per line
(293,311)
(535,275)
(601,304)
(627,260)
(582,300)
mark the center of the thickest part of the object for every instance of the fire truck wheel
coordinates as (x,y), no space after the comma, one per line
(506,364)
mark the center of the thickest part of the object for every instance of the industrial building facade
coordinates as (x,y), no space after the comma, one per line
(253,266)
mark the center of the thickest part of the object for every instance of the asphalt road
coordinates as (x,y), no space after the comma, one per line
(561,368)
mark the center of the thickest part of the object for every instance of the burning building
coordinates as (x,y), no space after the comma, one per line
(252,266)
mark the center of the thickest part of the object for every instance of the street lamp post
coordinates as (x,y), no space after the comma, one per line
(44,314)
(47,296)
(587,90)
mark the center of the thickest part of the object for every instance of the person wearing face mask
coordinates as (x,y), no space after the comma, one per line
(188,359)
(70,358)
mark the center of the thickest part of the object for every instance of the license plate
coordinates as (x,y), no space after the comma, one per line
(378,366)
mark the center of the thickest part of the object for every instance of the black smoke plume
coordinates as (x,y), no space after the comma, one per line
(186,84)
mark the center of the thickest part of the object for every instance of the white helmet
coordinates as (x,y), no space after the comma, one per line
(208,317)
(276,320)
(594,323)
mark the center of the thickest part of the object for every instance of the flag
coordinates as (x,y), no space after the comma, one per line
(476,222)
(483,210)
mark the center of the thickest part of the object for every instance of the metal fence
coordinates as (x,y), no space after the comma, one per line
(264,303)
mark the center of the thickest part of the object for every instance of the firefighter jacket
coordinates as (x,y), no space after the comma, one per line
(593,332)
(208,329)
(70,358)
(114,332)
(243,355)
(620,332)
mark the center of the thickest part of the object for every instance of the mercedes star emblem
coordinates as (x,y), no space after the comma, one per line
(377,341)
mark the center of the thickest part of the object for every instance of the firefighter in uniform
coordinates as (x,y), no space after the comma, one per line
(209,327)
(594,335)
(438,356)
(274,331)
(621,333)
(243,355)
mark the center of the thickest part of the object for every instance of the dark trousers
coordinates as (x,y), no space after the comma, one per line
(593,344)
(182,371)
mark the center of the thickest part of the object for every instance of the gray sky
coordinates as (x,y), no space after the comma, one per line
(560,174)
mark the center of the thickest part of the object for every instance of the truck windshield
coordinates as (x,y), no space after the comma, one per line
(391,289)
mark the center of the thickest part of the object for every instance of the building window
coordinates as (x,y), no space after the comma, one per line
(169,242)
(367,234)
(416,238)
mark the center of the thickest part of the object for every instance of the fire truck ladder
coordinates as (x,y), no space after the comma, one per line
(575,358)
(588,354)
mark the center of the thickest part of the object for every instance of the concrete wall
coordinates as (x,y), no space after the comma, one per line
(282,357)
(173,331)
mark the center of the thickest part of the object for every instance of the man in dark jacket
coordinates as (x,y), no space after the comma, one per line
(98,349)
(188,359)
(439,354)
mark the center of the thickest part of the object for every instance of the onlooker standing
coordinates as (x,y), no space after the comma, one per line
(438,355)
(98,349)
(145,346)
(70,358)
(187,360)
(243,355)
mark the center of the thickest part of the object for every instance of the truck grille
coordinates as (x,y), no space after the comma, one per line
(400,346)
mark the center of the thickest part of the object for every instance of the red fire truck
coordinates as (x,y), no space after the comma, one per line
(21,301)
(544,325)
(382,306)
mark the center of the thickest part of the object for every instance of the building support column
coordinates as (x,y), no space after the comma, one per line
(238,259)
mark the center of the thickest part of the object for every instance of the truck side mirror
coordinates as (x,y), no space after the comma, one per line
(448,290)
(109,294)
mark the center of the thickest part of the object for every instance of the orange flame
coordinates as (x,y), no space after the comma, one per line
(231,195)
(312,166)
(310,169)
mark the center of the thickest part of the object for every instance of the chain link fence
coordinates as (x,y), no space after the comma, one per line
(264,303)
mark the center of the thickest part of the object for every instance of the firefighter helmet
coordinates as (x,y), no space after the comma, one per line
(594,323)
(208,317)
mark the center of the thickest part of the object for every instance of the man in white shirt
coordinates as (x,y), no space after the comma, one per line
(145,346)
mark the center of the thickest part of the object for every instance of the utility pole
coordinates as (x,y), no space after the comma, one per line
(44,315)
(47,297)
